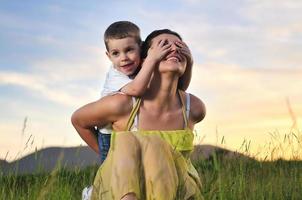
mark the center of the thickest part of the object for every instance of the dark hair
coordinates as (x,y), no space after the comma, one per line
(148,41)
(120,30)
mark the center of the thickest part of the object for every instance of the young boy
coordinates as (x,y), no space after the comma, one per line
(122,40)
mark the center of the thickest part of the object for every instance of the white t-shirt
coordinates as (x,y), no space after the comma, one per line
(114,82)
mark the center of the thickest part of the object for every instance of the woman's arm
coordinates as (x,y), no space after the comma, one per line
(104,111)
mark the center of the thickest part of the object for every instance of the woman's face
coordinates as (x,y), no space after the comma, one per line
(174,60)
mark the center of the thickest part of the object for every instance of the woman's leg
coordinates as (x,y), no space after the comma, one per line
(159,168)
(126,167)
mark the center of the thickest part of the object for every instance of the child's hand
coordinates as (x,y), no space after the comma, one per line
(185,51)
(158,51)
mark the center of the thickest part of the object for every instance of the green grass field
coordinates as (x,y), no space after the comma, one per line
(223,178)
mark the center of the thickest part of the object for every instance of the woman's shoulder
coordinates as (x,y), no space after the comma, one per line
(120,103)
(197,109)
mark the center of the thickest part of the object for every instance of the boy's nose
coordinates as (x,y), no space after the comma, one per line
(124,56)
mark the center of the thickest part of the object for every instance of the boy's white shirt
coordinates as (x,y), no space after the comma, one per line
(114,82)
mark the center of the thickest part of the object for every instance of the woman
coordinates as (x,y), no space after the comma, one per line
(149,154)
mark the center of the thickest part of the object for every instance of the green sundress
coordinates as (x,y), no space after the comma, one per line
(151,164)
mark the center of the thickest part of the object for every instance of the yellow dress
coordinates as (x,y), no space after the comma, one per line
(154,165)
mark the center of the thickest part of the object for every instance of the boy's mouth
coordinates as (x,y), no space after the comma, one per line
(127,65)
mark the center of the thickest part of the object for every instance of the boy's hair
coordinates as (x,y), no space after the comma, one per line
(147,43)
(120,30)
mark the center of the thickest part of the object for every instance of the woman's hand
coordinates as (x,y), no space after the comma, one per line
(185,51)
(185,79)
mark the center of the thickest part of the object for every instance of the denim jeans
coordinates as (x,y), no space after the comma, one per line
(104,145)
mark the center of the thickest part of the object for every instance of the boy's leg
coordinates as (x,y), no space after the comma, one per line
(104,145)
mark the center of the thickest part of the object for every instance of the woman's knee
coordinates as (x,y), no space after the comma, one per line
(126,144)
(126,154)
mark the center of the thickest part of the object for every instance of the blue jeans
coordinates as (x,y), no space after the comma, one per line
(104,145)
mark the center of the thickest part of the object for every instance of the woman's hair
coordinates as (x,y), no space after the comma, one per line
(148,41)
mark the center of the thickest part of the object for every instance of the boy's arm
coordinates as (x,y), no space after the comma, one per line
(185,79)
(139,84)
(99,113)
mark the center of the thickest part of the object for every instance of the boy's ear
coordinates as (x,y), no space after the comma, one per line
(108,55)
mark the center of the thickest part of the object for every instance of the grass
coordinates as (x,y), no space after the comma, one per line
(223,178)
(241,178)
(59,184)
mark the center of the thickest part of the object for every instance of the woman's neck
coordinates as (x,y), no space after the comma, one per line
(162,92)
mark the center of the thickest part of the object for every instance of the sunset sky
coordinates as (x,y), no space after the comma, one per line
(247,66)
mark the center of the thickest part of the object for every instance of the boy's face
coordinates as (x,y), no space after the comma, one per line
(124,54)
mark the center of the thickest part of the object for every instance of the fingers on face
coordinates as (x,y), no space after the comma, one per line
(183,48)
(183,45)
(164,43)
(185,51)
(166,46)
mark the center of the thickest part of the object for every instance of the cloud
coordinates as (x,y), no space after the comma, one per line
(258,34)
(62,82)
(39,133)
(245,86)
(278,19)
(245,103)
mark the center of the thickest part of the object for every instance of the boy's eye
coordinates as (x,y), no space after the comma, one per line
(114,53)
(130,49)
(166,42)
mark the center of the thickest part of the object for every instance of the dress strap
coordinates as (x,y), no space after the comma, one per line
(134,126)
(185,108)
(188,105)
(133,115)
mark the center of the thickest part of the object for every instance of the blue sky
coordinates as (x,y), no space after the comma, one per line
(52,60)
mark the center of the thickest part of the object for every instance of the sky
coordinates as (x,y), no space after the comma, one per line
(247,67)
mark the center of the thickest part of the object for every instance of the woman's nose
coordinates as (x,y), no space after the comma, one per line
(174,47)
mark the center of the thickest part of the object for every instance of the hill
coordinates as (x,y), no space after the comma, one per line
(206,152)
(47,159)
